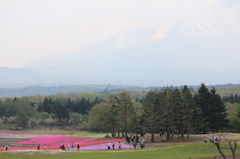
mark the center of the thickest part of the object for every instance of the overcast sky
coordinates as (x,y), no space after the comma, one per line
(30,29)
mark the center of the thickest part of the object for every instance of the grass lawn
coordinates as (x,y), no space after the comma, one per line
(90,135)
(199,150)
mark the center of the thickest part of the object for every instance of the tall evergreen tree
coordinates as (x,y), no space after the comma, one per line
(213,109)
(218,112)
(153,112)
(126,110)
(168,107)
(188,110)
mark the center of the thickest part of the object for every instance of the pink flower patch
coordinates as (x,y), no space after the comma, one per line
(53,140)
(104,147)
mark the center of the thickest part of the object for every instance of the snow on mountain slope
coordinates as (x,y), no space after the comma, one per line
(171,53)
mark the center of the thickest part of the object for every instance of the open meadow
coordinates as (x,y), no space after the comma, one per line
(23,144)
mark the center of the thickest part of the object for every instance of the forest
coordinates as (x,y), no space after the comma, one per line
(169,109)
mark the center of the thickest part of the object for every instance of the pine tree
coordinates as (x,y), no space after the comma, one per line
(126,110)
(152,114)
(218,112)
(168,107)
(213,109)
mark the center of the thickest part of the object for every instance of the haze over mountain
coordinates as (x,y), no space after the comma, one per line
(134,42)
(153,54)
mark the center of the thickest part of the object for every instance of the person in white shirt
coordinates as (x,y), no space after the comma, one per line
(109,146)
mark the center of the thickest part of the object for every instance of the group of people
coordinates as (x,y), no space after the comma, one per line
(113,146)
(62,147)
(44,147)
(212,139)
(135,140)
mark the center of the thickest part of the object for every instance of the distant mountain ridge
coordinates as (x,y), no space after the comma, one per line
(18,72)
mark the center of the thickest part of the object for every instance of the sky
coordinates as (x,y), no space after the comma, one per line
(31,29)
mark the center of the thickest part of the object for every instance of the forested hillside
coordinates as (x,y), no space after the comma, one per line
(224,90)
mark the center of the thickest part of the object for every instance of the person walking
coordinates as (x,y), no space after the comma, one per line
(68,146)
(38,147)
(78,146)
(63,147)
(119,145)
(109,148)
(72,146)
(113,144)
(134,144)
(143,142)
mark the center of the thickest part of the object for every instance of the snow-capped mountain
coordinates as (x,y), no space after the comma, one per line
(151,54)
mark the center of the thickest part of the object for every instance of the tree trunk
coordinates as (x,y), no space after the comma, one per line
(172,131)
(233,149)
(118,126)
(168,134)
(152,138)
(187,133)
(182,134)
(220,151)
(125,121)
(178,133)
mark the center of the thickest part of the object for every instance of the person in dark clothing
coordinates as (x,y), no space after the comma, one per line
(134,144)
(137,139)
(113,144)
(78,147)
(63,147)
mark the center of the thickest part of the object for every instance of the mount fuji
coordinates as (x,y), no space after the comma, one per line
(183,52)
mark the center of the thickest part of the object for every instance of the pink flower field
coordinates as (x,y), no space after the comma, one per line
(54,142)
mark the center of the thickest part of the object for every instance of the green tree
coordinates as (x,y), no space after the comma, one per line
(202,99)
(61,110)
(153,112)
(168,107)
(213,115)
(24,111)
(2,109)
(218,112)
(126,110)
(96,114)
(188,110)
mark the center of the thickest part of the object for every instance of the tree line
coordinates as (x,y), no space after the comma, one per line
(170,109)
(231,99)
(21,112)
